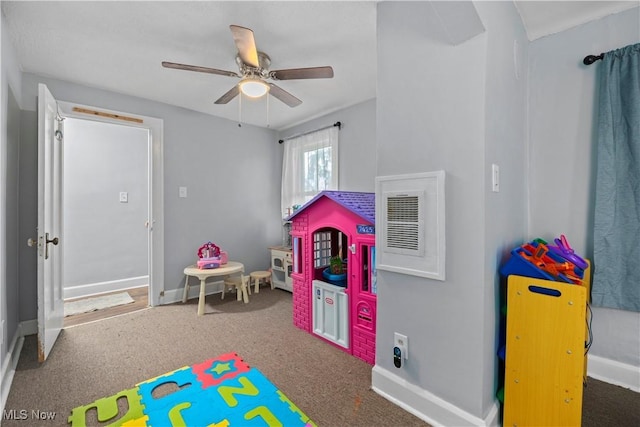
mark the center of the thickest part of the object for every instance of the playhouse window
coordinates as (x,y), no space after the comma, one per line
(365,268)
(327,243)
(368,269)
(297,255)
(321,248)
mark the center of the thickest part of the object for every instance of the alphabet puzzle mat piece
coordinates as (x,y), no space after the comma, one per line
(107,409)
(275,410)
(214,371)
(183,387)
(235,395)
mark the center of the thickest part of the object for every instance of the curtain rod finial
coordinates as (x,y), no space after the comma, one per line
(590,59)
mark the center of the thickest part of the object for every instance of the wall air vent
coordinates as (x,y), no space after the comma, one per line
(410,224)
(403,224)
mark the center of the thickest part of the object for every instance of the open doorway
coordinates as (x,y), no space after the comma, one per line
(111,202)
(106,208)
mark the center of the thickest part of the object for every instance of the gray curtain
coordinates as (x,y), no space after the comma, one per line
(616,258)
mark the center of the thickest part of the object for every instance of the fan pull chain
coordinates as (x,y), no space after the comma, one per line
(268,124)
(240,109)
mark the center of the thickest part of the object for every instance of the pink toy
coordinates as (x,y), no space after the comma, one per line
(207,263)
(333,226)
(210,256)
(208,250)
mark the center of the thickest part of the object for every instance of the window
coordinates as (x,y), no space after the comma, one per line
(309,165)
(297,254)
(321,248)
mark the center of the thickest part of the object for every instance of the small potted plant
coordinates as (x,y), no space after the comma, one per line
(335,273)
(335,264)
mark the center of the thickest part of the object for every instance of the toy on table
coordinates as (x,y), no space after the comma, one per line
(210,256)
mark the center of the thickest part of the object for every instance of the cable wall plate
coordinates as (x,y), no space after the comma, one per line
(410,222)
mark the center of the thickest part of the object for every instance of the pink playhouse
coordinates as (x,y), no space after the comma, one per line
(334,281)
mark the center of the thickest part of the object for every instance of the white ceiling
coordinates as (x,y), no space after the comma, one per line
(118,46)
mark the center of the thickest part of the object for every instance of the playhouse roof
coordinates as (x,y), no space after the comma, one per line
(361,204)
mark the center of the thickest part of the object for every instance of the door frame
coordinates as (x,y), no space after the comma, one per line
(155,185)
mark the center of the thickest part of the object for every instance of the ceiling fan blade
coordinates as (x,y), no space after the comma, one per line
(246,45)
(232,93)
(284,96)
(303,73)
(199,69)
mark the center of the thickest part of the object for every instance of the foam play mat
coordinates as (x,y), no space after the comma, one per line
(220,392)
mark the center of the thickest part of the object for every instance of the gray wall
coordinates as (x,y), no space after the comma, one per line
(10,102)
(12,214)
(356,143)
(104,240)
(433,123)
(563,109)
(28,206)
(229,172)
(505,220)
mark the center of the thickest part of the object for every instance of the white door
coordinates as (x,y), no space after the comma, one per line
(50,297)
(331,312)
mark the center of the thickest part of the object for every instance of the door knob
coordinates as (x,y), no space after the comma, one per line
(55,241)
(31,242)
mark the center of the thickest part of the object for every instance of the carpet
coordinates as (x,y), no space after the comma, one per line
(86,305)
(223,391)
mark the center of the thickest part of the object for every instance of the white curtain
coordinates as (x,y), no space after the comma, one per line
(309,165)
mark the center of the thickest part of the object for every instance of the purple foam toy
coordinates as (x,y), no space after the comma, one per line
(564,250)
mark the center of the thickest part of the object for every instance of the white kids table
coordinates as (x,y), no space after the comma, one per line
(227,269)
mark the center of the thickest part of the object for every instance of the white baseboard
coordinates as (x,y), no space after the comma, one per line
(102,287)
(28,327)
(426,405)
(11,361)
(613,372)
(175,295)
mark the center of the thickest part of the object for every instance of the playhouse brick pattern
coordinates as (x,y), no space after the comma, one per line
(360,207)
(302,288)
(364,345)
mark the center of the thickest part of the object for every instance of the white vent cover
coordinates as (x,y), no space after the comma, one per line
(410,224)
(404,226)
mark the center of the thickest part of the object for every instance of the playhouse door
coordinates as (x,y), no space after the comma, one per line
(363,301)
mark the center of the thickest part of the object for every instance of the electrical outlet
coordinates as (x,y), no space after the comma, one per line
(124,197)
(182,192)
(402,342)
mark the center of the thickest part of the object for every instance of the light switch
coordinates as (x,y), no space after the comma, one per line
(124,197)
(495,178)
(182,192)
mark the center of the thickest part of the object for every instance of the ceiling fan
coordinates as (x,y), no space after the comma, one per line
(254,71)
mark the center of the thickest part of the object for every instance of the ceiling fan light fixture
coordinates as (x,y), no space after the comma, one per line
(254,88)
